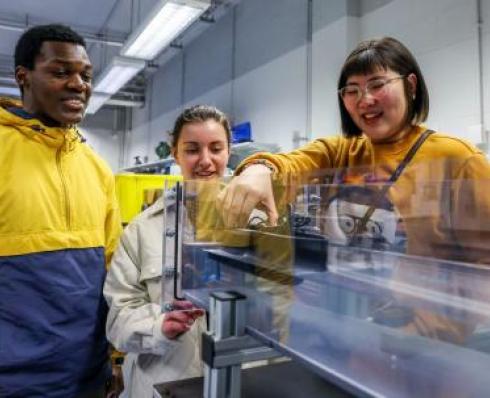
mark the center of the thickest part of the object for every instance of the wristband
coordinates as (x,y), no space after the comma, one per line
(262,162)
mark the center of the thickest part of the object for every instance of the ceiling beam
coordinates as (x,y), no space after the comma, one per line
(125,103)
(88,36)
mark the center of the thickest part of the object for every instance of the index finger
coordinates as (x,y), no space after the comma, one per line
(227,205)
(182,305)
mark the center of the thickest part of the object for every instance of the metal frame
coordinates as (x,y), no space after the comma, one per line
(226,346)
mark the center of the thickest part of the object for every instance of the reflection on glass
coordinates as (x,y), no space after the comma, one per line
(392,301)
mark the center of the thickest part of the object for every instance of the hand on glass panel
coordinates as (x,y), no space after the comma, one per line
(251,189)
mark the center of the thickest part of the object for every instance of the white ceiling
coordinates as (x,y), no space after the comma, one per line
(70,11)
(104,23)
(111,19)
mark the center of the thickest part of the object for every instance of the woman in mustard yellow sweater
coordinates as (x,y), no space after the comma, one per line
(441,194)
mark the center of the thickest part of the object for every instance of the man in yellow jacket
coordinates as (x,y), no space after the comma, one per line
(59,224)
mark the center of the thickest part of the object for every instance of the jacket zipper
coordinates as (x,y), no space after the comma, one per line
(65,189)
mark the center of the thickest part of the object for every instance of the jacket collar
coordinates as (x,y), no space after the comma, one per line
(158,207)
(66,138)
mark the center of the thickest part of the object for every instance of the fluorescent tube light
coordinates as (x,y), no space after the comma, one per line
(165,23)
(117,74)
(113,78)
(96,101)
(10,91)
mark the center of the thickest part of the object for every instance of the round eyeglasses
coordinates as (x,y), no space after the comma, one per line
(376,88)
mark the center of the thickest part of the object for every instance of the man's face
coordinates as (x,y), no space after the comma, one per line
(57,90)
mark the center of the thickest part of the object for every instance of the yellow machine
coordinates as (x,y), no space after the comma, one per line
(135,192)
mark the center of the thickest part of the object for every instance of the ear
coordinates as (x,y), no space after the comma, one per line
(175,155)
(412,82)
(22,76)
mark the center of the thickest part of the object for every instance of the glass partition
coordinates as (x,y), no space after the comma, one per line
(381,288)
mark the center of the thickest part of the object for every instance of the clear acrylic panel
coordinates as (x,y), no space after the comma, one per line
(391,304)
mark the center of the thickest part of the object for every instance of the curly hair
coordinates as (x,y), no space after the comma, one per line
(28,46)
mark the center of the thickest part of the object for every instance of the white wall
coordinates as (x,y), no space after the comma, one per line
(270,72)
(106,144)
(330,47)
(273,98)
(104,135)
(442,34)
(137,140)
(253,64)
(249,65)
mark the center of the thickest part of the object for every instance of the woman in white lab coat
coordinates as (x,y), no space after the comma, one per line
(160,346)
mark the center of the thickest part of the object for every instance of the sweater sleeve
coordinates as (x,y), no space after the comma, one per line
(471,209)
(470,212)
(134,322)
(316,155)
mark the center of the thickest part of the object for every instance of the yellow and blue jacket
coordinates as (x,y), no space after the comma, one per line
(59,225)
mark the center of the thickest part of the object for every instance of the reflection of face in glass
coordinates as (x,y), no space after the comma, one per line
(349,224)
(202,150)
(343,221)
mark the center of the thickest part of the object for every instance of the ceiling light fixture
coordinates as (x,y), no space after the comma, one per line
(96,101)
(119,71)
(10,91)
(164,24)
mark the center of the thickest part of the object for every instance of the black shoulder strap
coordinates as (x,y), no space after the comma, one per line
(408,157)
(398,171)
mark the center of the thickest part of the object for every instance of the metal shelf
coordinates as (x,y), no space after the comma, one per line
(152,167)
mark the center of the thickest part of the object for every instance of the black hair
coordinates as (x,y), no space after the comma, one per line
(28,46)
(199,113)
(384,53)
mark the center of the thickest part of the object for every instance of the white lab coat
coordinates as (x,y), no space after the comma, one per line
(133,290)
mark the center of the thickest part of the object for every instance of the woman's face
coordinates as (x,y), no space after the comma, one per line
(202,150)
(381,111)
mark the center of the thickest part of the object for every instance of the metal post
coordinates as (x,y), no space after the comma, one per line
(227,319)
